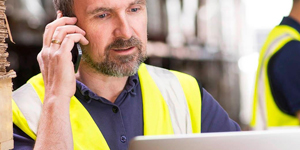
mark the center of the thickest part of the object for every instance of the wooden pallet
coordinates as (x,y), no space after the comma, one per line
(6,125)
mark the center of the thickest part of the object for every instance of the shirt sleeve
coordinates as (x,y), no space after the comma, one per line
(284,76)
(21,140)
(214,118)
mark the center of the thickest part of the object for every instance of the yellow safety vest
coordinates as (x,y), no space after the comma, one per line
(171,105)
(264,103)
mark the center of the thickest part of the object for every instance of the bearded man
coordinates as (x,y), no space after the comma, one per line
(114,96)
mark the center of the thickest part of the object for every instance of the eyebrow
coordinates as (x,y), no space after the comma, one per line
(99,9)
(143,2)
(106,9)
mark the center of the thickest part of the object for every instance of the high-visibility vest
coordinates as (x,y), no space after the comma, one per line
(264,106)
(171,105)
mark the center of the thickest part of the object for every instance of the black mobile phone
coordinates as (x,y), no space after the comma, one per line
(76,56)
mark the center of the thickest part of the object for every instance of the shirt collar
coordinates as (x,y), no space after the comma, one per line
(291,22)
(130,86)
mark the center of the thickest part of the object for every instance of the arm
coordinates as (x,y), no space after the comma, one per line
(55,61)
(214,118)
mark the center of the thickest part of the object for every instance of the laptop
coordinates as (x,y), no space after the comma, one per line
(244,140)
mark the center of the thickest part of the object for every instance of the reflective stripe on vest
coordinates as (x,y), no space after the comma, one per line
(31,105)
(268,112)
(166,110)
(174,98)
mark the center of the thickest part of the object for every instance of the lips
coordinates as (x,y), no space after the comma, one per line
(123,49)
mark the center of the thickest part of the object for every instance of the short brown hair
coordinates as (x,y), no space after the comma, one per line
(65,6)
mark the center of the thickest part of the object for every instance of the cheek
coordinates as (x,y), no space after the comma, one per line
(97,35)
(97,43)
(145,35)
(144,28)
(142,31)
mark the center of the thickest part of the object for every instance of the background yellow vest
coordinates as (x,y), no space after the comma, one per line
(271,115)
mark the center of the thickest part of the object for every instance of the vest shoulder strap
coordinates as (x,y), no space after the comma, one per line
(176,89)
(26,109)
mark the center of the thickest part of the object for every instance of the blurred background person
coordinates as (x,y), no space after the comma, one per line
(277,89)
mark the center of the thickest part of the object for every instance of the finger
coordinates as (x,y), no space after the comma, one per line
(62,31)
(70,39)
(58,14)
(63,55)
(43,66)
(40,61)
(50,28)
(68,42)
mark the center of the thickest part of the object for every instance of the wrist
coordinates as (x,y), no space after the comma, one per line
(57,102)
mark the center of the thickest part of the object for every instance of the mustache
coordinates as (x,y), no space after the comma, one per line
(121,43)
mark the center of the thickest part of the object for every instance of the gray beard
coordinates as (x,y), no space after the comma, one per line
(116,66)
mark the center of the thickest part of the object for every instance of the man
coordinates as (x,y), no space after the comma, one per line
(107,102)
(277,93)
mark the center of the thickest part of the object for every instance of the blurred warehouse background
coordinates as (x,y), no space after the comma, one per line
(216,41)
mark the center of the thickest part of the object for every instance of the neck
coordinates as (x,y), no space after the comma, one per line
(295,12)
(102,85)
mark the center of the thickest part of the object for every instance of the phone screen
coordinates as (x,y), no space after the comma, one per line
(76,56)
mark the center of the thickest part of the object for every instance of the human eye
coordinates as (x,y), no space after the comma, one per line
(102,16)
(134,9)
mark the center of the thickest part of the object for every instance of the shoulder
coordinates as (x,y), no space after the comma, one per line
(188,83)
(166,75)
(162,72)
(287,57)
(291,47)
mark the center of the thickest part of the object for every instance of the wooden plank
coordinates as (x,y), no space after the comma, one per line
(6,126)
(7,145)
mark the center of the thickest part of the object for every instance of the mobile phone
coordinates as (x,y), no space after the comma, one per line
(76,56)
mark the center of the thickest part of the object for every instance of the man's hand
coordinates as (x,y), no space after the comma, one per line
(55,60)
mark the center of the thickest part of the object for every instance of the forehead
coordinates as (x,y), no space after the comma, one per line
(113,4)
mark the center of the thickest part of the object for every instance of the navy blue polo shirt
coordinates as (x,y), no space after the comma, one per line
(119,122)
(284,73)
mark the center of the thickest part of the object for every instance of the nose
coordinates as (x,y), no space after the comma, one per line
(123,28)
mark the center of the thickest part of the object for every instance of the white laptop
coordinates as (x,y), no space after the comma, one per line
(245,140)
